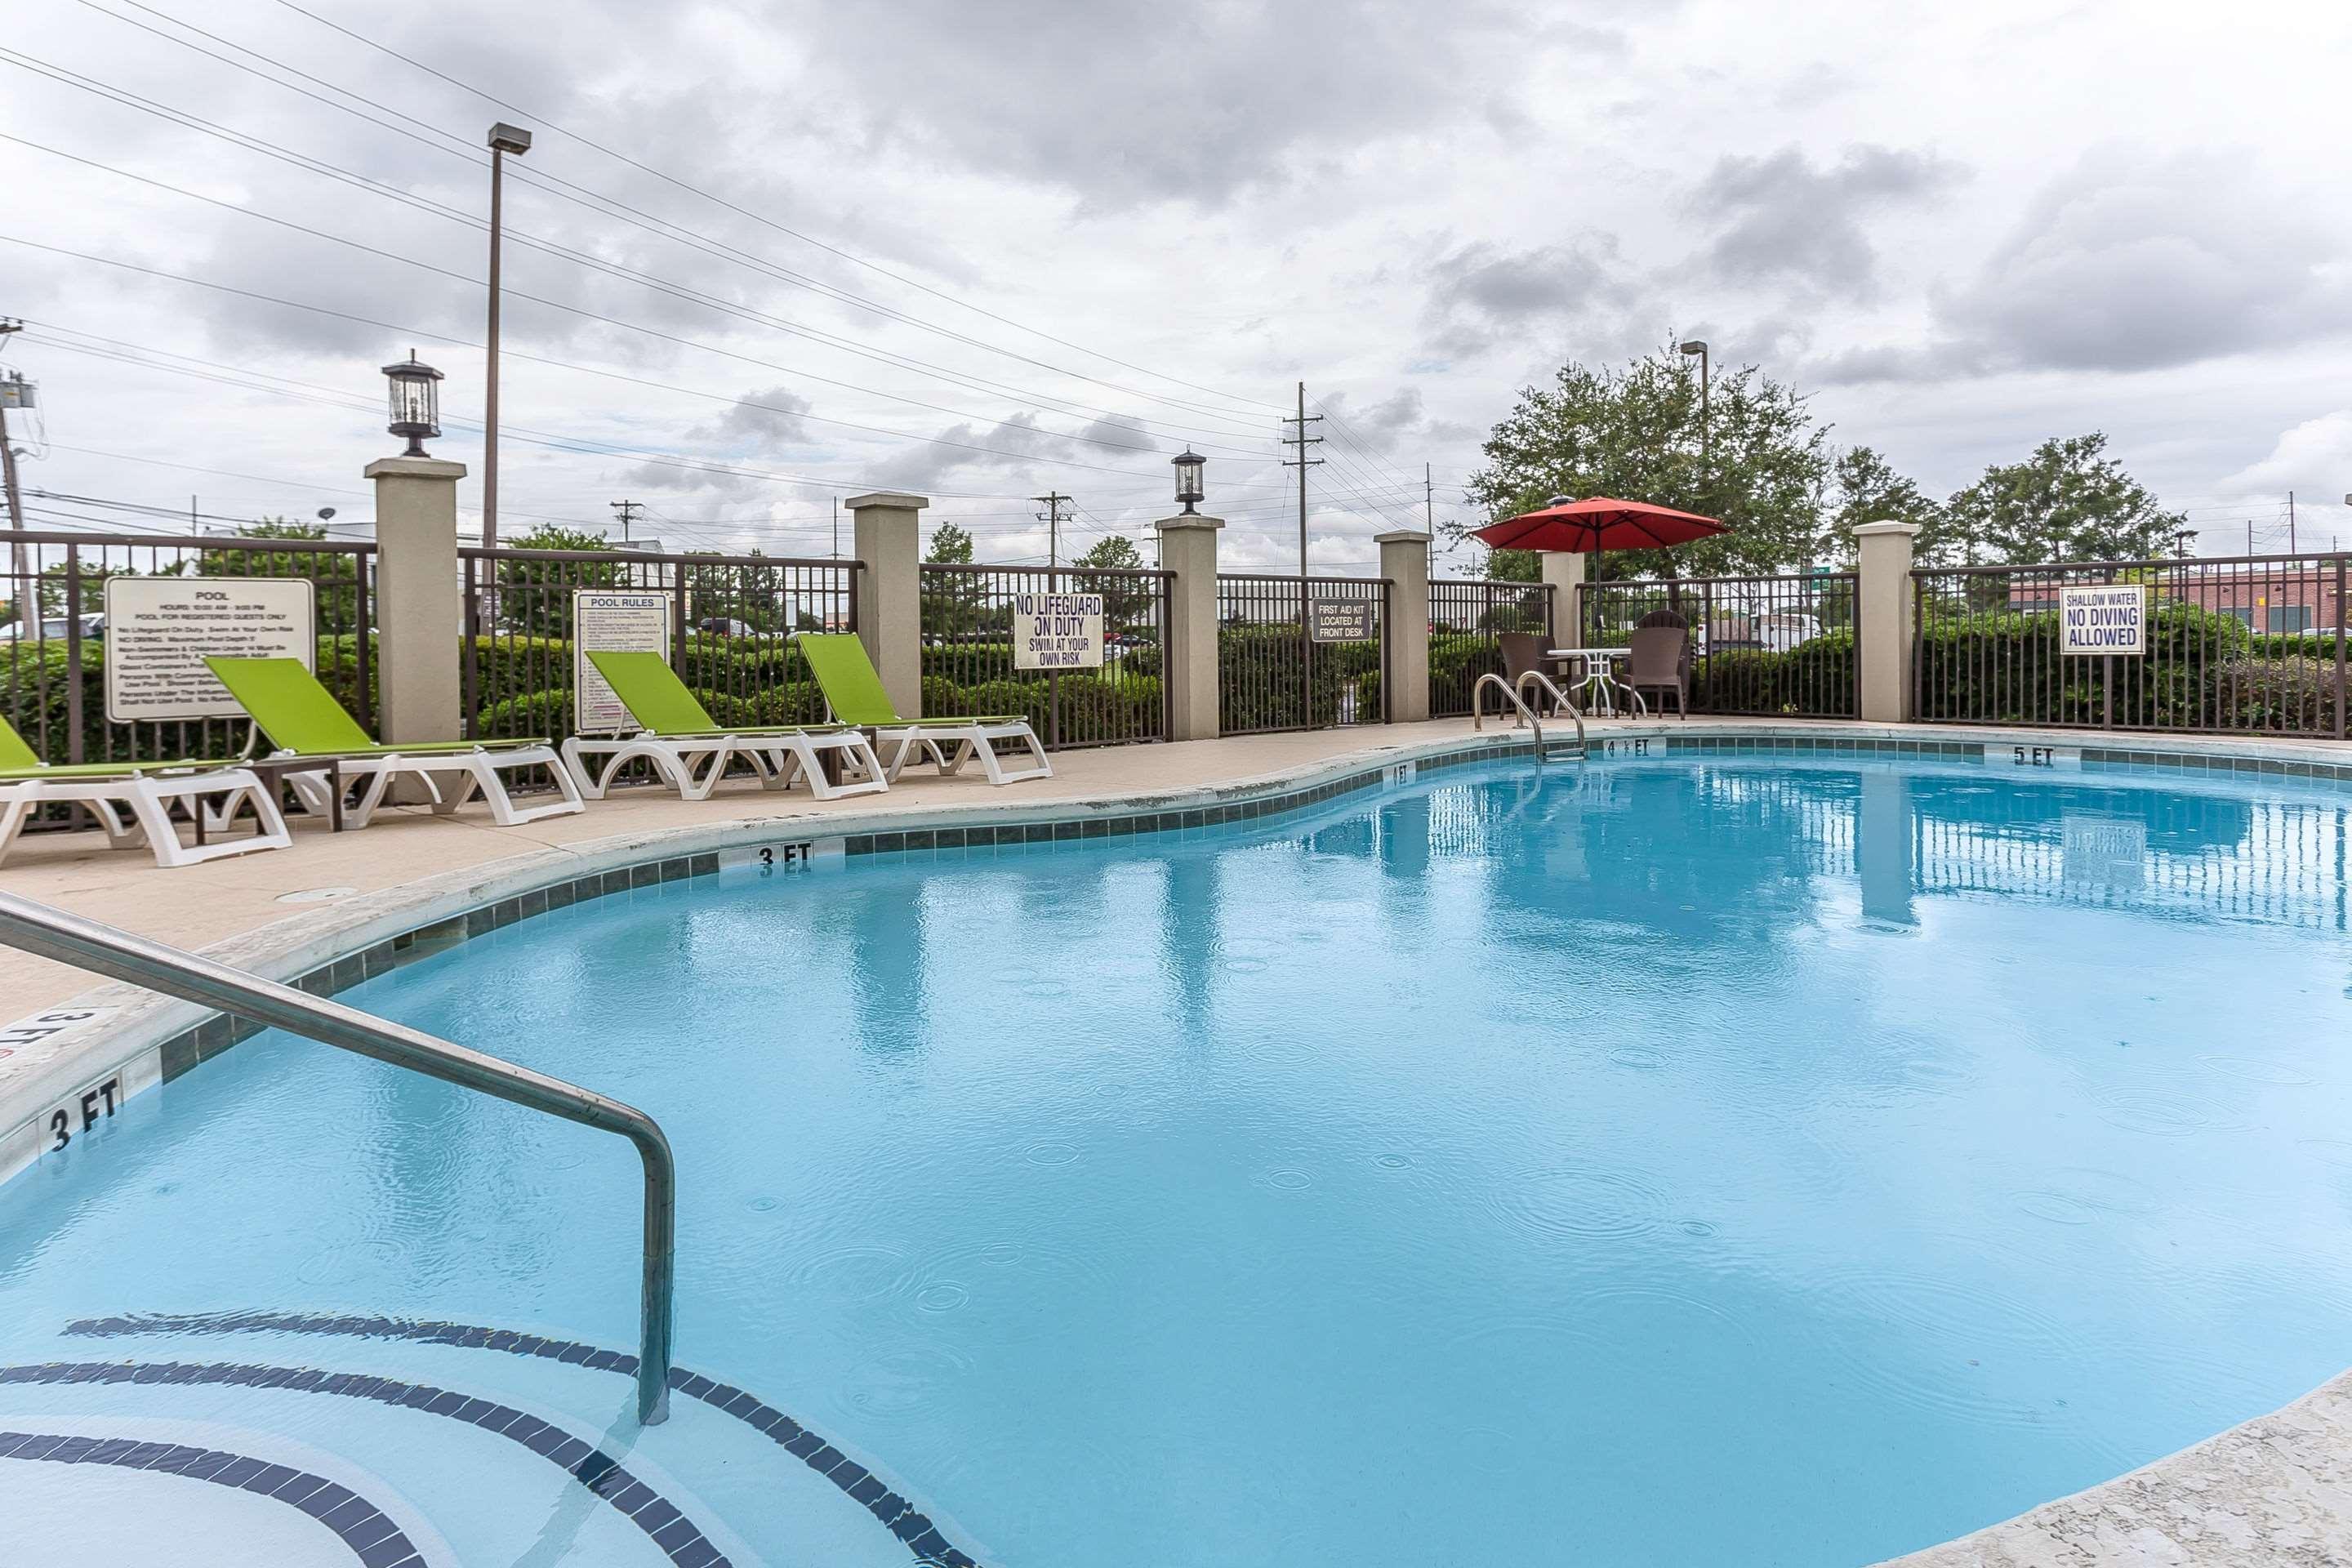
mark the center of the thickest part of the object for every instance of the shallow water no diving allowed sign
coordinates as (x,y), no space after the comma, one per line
(2110,619)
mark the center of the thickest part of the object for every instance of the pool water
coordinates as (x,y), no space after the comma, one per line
(1663,1162)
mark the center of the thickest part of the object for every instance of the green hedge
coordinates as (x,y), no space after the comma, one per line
(1814,680)
(2004,667)
(1262,679)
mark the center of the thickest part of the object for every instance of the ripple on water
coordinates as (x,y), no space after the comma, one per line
(863,1271)
(1394,1162)
(943,1296)
(2159,1113)
(904,1379)
(1286,1179)
(345,1263)
(1639,1059)
(1963,1347)
(1584,1201)
(2258,1070)
(1051,1152)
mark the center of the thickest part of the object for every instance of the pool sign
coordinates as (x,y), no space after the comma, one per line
(1057,631)
(159,629)
(603,621)
(2111,619)
(1339,620)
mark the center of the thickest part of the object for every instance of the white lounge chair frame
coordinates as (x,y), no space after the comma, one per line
(974,740)
(136,808)
(693,764)
(479,772)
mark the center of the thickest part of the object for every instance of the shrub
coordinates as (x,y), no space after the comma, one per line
(2290,694)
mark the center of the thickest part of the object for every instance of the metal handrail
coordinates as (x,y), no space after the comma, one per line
(1478,720)
(38,928)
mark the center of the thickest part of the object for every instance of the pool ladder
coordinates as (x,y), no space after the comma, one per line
(38,928)
(1528,715)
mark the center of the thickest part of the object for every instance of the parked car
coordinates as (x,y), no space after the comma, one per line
(723,627)
(53,629)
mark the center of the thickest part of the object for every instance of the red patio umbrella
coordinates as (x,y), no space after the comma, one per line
(1589,527)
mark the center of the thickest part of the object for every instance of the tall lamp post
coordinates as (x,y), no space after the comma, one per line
(504,139)
(1699,347)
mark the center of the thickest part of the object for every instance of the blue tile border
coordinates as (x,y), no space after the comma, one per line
(374,1541)
(894,1512)
(678,1537)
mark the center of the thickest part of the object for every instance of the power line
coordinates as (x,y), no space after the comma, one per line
(756,217)
(598,202)
(595,316)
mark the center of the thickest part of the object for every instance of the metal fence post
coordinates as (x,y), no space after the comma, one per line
(2339,648)
(74,752)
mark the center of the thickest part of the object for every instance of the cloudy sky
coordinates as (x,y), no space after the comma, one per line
(768,253)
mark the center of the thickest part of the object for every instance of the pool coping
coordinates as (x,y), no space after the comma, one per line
(115,1041)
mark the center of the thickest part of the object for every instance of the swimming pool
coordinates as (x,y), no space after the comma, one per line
(1701,1159)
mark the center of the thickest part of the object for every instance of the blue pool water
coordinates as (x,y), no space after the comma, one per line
(1692,1160)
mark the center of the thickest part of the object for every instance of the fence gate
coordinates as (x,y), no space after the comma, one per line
(2250,644)
(1272,672)
(1783,647)
(1465,618)
(970,665)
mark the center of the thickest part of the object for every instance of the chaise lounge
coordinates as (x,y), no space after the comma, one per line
(854,691)
(691,751)
(132,800)
(302,719)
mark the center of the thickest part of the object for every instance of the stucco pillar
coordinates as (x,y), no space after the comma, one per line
(1188,548)
(889,540)
(418,590)
(1564,570)
(1404,562)
(1883,619)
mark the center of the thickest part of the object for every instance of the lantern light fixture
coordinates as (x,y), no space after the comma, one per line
(416,403)
(1188,465)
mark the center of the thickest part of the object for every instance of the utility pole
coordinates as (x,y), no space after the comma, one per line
(836,528)
(1302,463)
(2290,523)
(629,511)
(1052,518)
(14,393)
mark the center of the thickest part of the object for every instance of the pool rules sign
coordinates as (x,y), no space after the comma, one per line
(2111,619)
(1057,631)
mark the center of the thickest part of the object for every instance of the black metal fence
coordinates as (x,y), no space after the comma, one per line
(1464,620)
(1784,646)
(972,661)
(54,646)
(730,619)
(2238,645)
(1271,674)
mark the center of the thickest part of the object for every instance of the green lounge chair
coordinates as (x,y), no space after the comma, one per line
(691,750)
(132,800)
(854,691)
(302,719)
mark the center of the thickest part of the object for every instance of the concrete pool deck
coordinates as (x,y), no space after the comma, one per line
(2277,1490)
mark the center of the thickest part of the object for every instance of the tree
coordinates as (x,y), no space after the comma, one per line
(950,600)
(535,597)
(1125,600)
(1634,432)
(2068,501)
(1868,489)
(334,573)
(90,593)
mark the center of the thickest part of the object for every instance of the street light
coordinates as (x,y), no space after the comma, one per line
(504,139)
(1188,465)
(1698,346)
(416,403)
